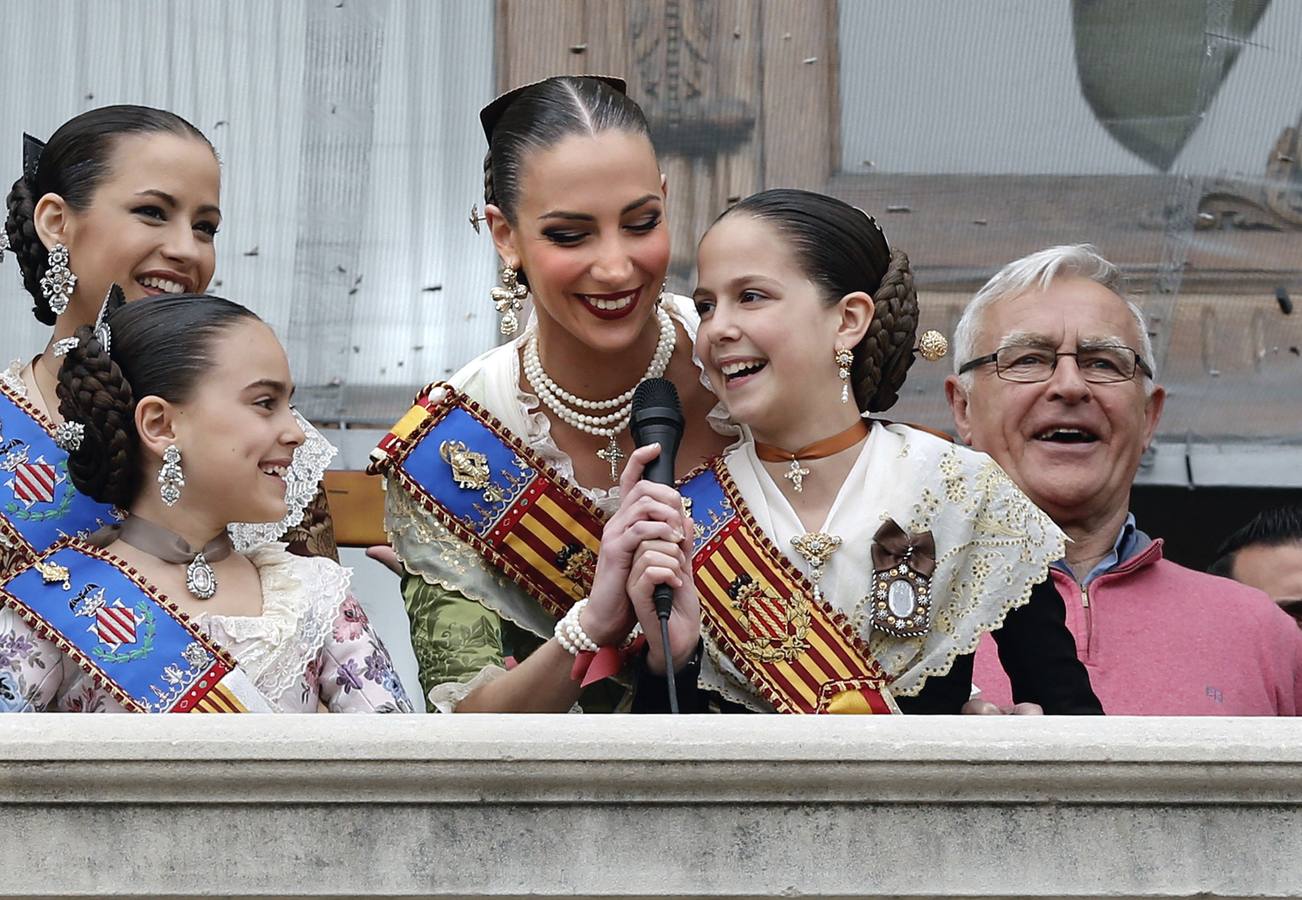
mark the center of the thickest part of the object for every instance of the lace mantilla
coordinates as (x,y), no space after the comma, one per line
(1000,546)
(301,597)
(13,378)
(993,547)
(311,459)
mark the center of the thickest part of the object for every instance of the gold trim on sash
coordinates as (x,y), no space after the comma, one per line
(542,533)
(220,685)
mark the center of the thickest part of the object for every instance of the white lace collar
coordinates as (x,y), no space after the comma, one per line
(300,598)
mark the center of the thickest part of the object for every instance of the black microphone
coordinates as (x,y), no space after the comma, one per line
(657,418)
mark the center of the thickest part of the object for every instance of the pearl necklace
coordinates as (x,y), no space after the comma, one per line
(607,424)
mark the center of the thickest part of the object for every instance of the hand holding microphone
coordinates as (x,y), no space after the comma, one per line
(662,566)
(646,545)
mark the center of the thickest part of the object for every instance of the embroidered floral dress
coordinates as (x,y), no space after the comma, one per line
(311,646)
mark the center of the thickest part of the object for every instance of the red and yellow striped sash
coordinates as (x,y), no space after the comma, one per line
(485,486)
(800,654)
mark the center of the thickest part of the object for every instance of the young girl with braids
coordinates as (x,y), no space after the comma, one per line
(178,414)
(844,563)
(124,195)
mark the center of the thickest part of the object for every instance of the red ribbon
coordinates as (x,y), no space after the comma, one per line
(590,667)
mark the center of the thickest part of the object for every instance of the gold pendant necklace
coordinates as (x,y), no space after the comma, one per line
(816,547)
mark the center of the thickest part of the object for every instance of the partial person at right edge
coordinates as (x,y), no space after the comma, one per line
(1266,553)
(1055,378)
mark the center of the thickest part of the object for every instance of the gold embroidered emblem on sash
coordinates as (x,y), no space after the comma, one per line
(469,469)
(777,628)
(577,563)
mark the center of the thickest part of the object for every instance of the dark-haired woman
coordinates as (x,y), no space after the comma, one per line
(575,202)
(125,195)
(845,564)
(176,411)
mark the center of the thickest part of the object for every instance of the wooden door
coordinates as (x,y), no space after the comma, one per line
(740,94)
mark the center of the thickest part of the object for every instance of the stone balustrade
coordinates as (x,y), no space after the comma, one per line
(622,806)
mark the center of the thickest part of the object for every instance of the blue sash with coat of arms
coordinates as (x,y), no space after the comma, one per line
(38,503)
(129,638)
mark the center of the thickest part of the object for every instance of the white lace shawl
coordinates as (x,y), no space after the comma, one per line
(301,597)
(429,550)
(992,547)
(311,459)
(302,481)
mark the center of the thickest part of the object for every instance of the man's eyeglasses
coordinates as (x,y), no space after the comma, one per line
(1028,365)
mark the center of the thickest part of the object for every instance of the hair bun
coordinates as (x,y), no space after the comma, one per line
(93,392)
(26,246)
(887,349)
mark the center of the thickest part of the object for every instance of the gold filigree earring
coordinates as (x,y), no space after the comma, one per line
(844,358)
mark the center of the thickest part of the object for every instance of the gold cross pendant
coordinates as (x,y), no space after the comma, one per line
(796,474)
(613,455)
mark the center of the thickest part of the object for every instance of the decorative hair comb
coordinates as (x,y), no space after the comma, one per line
(113,300)
(476,217)
(68,435)
(32,149)
(932,346)
(491,114)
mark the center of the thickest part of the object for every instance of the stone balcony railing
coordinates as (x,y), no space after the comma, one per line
(621,806)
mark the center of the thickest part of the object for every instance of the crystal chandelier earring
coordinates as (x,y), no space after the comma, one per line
(508,300)
(170,477)
(58,282)
(844,359)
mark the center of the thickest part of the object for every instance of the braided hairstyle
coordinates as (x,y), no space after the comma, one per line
(842,250)
(159,347)
(540,116)
(73,164)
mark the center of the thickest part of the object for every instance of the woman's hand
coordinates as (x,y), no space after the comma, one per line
(384,555)
(647,512)
(657,562)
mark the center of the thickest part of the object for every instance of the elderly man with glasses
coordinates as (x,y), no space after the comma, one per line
(1055,380)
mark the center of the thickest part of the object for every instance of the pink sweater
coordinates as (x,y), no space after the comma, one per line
(1162,640)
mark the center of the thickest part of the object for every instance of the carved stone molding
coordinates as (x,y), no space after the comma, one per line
(1274,204)
(643,806)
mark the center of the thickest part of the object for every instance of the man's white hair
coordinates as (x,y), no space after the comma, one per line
(1036,272)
